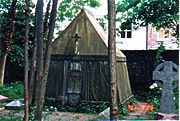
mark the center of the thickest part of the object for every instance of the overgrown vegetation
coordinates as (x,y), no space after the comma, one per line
(84,106)
(13,90)
(153,96)
(159,57)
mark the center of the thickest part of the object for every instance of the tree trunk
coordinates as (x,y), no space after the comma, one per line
(33,65)
(39,75)
(32,72)
(26,65)
(49,46)
(112,58)
(2,67)
(46,23)
(50,37)
(7,40)
(42,78)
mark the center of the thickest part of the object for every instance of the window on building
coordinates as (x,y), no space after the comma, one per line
(164,33)
(126,30)
(76,66)
(74,81)
(74,85)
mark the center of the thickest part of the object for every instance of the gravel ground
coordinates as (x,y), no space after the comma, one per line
(67,116)
(54,116)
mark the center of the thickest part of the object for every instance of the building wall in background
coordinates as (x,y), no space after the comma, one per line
(147,38)
(136,42)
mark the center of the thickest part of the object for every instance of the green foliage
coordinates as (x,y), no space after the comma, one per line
(102,23)
(142,12)
(13,90)
(49,109)
(92,107)
(84,106)
(159,57)
(16,53)
(123,110)
(153,97)
(69,8)
(159,14)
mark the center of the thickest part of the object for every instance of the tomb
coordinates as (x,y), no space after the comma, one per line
(79,64)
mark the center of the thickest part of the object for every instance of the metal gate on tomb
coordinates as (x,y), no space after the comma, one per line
(74,82)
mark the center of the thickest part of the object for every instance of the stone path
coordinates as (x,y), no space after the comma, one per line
(67,116)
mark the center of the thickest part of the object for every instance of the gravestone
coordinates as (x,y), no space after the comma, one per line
(16,104)
(168,73)
(104,115)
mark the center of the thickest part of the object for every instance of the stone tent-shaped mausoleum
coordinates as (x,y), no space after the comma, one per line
(79,64)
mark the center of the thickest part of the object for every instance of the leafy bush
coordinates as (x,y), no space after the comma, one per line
(13,90)
(159,57)
(92,107)
(84,106)
(153,96)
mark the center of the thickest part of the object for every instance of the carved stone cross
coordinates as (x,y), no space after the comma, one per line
(76,38)
(168,73)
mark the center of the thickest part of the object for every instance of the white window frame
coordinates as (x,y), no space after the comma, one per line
(126,33)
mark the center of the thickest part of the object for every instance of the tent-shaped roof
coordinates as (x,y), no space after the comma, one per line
(92,38)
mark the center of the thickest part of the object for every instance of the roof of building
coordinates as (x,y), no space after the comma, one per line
(83,36)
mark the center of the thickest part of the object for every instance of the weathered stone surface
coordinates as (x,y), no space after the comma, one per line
(104,114)
(3,99)
(168,73)
(14,104)
(162,116)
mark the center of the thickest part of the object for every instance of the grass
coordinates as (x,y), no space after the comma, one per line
(11,116)
(16,91)
(13,90)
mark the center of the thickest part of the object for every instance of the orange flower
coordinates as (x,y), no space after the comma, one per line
(143,107)
(131,107)
(150,107)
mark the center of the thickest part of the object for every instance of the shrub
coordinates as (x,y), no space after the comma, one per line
(13,90)
(84,106)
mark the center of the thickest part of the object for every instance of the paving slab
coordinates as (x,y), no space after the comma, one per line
(3,99)
(16,104)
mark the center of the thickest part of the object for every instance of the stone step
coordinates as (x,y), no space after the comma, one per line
(135,117)
(3,99)
(16,104)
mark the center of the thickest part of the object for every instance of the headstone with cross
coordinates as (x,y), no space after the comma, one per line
(168,73)
(76,38)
